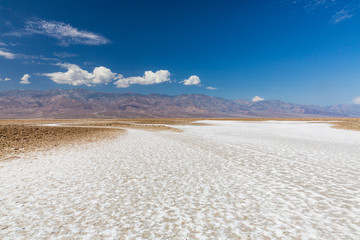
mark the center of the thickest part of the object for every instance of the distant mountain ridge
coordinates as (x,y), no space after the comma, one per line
(81,103)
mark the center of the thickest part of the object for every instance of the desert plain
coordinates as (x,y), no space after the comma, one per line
(180,179)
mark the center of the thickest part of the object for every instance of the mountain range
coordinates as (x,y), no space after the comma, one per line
(80,103)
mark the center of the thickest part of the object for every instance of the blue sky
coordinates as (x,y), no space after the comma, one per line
(301,51)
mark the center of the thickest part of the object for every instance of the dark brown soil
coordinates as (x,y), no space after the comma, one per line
(15,139)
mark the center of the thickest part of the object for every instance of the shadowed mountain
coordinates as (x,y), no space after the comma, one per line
(80,103)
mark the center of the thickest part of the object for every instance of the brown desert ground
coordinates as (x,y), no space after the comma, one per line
(19,136)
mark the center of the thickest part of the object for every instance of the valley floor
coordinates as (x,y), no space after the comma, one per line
(214,180)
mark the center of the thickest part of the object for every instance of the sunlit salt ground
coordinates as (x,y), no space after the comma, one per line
(226,180)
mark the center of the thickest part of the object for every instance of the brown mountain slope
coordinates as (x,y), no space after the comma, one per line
(80,103)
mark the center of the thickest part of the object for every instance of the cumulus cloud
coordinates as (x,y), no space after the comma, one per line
(211,88)
(193,80)
(257,99)
(101,75)
(341,16)
(25,79)
(356,100)
(76,76)
(65,33)
(5,79)
(6,54)
(149,78)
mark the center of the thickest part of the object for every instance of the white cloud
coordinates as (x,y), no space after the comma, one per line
(65,33)
(356,100)
(344,9)
(257,99)
(211,88)
(101,75)
(341,16)
(5,79)
(76,76)
(7,55)
(30,58)
(193,80)
(34,58)
(312,4)
(65,55)
(149,78)
(25,79)
(3,44)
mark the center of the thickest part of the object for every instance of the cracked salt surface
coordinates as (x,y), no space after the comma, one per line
(226,180)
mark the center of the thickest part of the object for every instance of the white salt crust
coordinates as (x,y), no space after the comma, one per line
(225,180)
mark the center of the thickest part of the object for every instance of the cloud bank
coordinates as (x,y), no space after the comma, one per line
(257,99)
(25,79)
(65,33)
(193,80)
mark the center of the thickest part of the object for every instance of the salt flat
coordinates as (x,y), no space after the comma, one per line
(224,180)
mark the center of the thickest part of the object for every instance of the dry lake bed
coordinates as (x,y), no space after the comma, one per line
(205,180)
